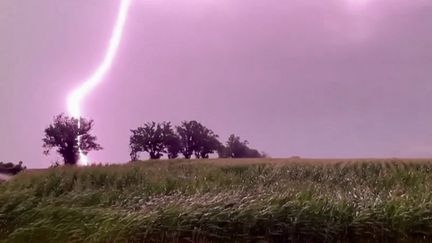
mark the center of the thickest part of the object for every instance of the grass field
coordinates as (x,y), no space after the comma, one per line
(265,200)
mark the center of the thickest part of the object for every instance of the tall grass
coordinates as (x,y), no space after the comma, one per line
(221,201)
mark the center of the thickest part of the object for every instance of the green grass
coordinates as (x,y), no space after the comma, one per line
(261,200)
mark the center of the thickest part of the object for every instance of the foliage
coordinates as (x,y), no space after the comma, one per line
(155,139)
(190,138)
(235,148)
(10,168)
(171,141)
(197,139)
(251,200)
(70,135)
(148,138)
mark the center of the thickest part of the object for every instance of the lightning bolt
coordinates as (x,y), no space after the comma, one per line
(75,99)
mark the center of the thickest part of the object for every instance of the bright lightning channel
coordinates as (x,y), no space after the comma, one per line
(76,97)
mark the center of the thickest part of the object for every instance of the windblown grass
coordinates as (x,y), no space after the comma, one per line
(222,201)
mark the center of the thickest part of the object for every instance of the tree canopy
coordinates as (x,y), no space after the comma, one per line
(10,168)
(70,136)
(155,139)
(236,148)
(197,139)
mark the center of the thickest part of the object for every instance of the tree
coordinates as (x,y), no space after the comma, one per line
(70,136)
(187,142)
(10,168)
(235,148)
(155,139)
(171,141)
(148,138)
(197,139)
(208,143)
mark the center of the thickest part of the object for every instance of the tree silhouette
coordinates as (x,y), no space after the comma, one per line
(235,148)
(155,139)
(187,142)
(207,142)
(148,138)
(70,135)
(10,168)
(171,141)
(197,139)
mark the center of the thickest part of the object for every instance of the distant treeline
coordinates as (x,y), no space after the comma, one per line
(72,137)
(10,168)
(190,138)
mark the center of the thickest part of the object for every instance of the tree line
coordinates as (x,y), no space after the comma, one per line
(11,168)
(71,136)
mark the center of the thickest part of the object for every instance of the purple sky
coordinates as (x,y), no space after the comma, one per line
(328,78)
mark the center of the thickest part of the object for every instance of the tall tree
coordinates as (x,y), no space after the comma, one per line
(186,136)
(70,135)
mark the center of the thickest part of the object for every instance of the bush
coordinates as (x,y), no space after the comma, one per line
(10,168)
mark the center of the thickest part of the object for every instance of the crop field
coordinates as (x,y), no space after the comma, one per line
(259,200)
